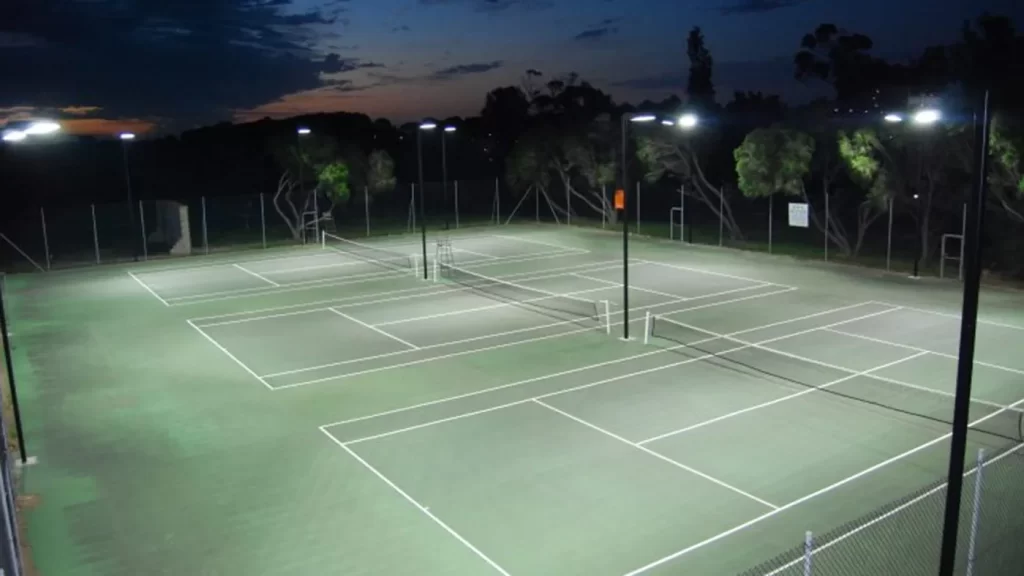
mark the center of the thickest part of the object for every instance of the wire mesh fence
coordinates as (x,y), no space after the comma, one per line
(904,536)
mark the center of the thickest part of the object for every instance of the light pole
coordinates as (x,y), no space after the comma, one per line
(14,136)
(426,126)
(444,170)
(300,132)
(125,138)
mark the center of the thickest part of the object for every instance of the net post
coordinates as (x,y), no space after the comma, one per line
(95,233)
(456,204)
(963,236)
(142,227)
(647,327)
(808,552)
(206,237)
(263,222)
(46,240)
(366,208)
(437,271)
(323,240)
(771,207)
(607,318)
(721,217)
(975,513)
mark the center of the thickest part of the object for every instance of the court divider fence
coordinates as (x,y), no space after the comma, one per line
(904,536)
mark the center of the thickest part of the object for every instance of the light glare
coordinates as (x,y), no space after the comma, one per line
(688,121)
(893,118)
(14,136)
(305,131)
(449,128)
(428,126)
(42,127)
(667,123)
(127,136)
(927,117)
(643,118)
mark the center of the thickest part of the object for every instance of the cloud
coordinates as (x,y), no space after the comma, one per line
(757,6)
(466,70)
(402,28)
(595,34)
(195,61)
(80,110)
(672,82)
(494,5)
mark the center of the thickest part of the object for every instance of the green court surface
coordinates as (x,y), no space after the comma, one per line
(311,410)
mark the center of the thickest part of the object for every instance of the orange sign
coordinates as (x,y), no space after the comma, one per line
(620,199)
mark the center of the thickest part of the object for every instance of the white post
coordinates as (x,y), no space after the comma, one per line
(206,237)
(638,208)
(647,327)
(456,204)
(888,241)
(827,218)
(95,233)
(142,227)
(607,318)
(568,207)
(366,207)
(412,207)
(323,240)
(682,212)
(972,543)
(46,240)
(263,222)
(963,239)
(604,204)
(771,208)
(316,214)
(437,270)
(721,216)
(808,552)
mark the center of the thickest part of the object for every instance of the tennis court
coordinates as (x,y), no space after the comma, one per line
(327,410)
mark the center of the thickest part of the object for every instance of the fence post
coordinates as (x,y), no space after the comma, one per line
(316,215)
(963,243)
(808,552)
(206,237)
(682,212)
(888,241)
(604,205)
(366,207)
(721,216)
(46,240)
(456,204)
(771,209)
(827,219)
(142,224)
(638,207)
(497,202)
(975,513)
(536,204)
(568,207)
(263,222)
(95,233)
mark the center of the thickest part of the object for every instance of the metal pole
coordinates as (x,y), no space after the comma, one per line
(10,379)
(568,207)
(721,216)
(637,207)
(366,207)
(206,237)
(497,201)
(625,234)
(968,332)
(975,512)
(921,240)
(263,222)
(808,552)
(888,241)
(131,205)
(963,234)
(444,176)
(771,208)
(46,240)
(316,214)
(682,211)
(95,233)
(142,227)
(423,220)
(456,204)
(536,204)
(827,217)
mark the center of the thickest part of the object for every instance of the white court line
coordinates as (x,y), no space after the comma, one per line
(631,286)
(423,292)
(956,316)
(779,400)
(488,307)
(317,267)
(230,355)
(148,289)
(416,504)
(812,495)
(942,354)
(557,375)
(296,252)
(540,243)
(891,513)
(375,329)
(486,348)
(661,457)
(709,272)
(481,254)
(255,275)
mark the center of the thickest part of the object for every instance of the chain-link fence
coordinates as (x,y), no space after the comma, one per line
(904,537)
(10,548)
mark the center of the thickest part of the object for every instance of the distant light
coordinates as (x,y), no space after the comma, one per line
(927,116)
(644,118)
(687,121)
(127,136)
(667,122)
(893,118)
(14,136)
(916,196)
(42,127)
(305,131)
(428,126)
(449,128)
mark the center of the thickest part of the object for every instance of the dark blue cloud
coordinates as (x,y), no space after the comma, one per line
(466,70)
(494,5)
(595,34)
(755,6)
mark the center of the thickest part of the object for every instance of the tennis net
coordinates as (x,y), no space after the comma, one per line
(383,257)
(559,306)
(990,418)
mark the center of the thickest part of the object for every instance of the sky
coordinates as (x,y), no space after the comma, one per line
(105,66)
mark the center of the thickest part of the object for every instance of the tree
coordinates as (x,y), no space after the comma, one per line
(699,86)
(309,167)
(1006,176)
(527,169)
(841,59)
(860,156)
(380,177)
(333,184)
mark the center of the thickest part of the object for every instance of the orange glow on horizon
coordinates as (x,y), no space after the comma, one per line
(106,126)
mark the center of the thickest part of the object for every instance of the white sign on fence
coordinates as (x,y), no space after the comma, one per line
(798,215)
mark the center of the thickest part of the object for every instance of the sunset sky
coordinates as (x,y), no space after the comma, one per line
(108,65)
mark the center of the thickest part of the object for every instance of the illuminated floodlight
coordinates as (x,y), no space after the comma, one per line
(126,136)
(893,118)
(927,116)
(687,121)
(428,126)
(644,118)
(449,128)
(667,122)
(42,127)
(14,136)
(304,131)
